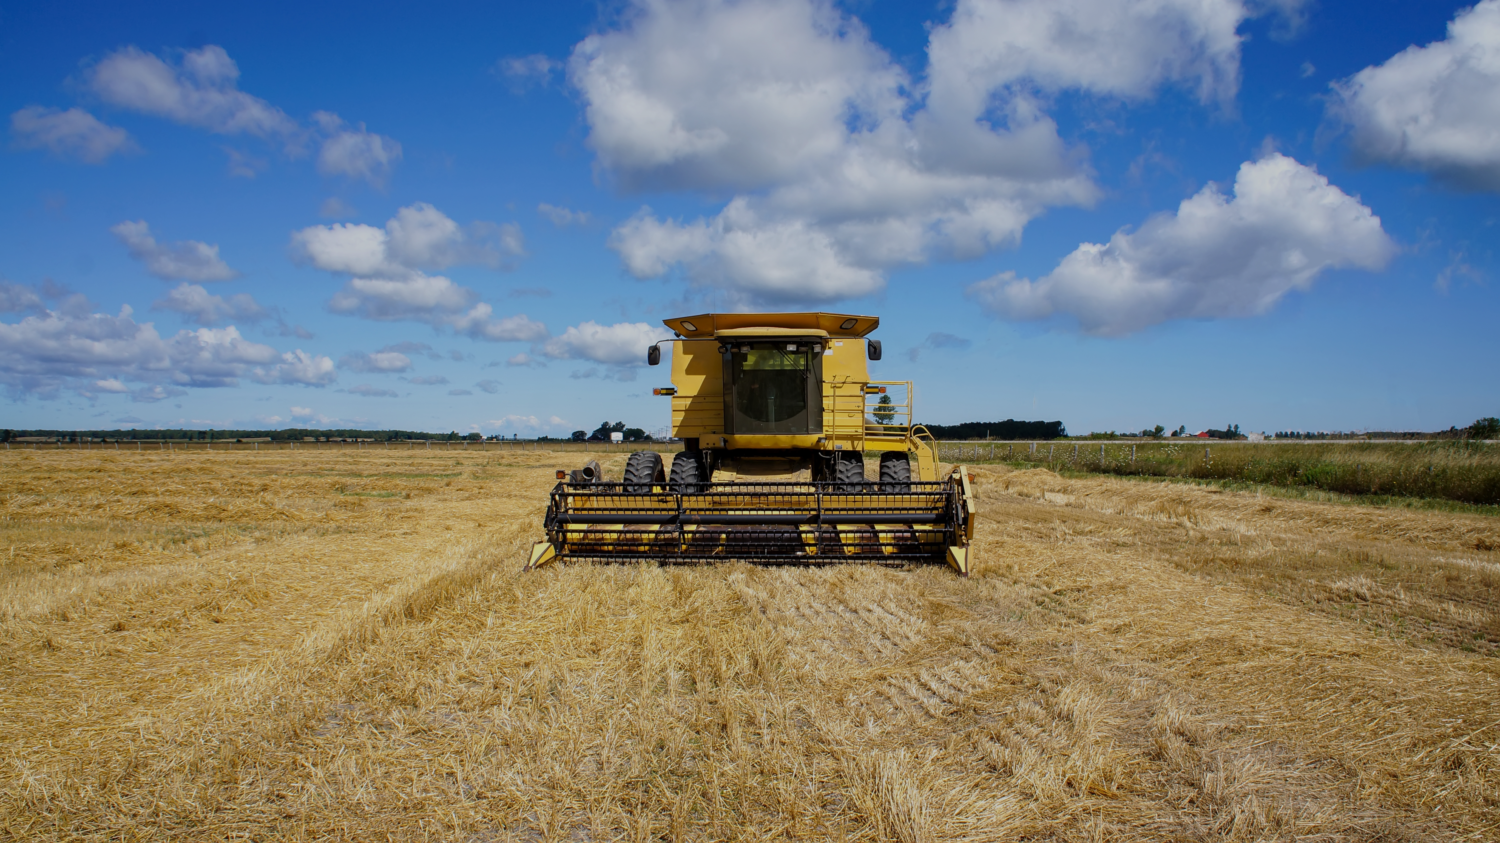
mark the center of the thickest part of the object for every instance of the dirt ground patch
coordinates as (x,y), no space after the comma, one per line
(281,646)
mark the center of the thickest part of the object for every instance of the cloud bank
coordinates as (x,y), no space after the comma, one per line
(842,167)
(1218,256)
(1433,108)
(391,281)
(623,344)
(53,350)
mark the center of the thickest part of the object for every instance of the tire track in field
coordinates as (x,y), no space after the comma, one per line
(866,624)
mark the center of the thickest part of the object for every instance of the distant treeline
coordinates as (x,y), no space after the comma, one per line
(1486,428)
(294,434)
(1010,429)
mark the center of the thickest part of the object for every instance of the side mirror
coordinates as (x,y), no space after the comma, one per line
(653,355)
(874,349)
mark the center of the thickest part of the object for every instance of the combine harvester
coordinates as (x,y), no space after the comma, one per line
(777,412)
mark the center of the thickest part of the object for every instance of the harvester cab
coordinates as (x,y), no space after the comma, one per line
(777,415)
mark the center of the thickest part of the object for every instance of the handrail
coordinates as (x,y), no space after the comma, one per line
(850,409)
(900,412)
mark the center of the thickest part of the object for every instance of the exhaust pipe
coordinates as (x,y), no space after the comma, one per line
(591,472)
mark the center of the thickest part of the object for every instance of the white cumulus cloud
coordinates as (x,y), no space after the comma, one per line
(189,260)
(428,298)
(53,350)
(299,367)
(343,247)
(201,306)
(845,167)
(1218,256)
(41,350)
(200,89)
(215,356)
(418,237)
(111,385)
(480,323)
(390,266)
(73,133)
(785,258)
(18,298)
(359,154)
(1114,47)
(737,95)
(622,344)
(1434,108)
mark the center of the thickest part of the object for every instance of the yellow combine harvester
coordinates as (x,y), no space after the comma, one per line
(777,412)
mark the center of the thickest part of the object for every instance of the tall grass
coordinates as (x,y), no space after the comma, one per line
(1468,472)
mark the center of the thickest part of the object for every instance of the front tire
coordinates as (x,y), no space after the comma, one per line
(849,473)
(687,473)
(642,471)
(895,472)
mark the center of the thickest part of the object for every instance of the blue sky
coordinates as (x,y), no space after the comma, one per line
(1280,214)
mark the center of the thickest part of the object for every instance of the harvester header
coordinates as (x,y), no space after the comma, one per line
(777,414)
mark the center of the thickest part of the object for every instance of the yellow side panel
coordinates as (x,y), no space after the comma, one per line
(845,373)
(698,374)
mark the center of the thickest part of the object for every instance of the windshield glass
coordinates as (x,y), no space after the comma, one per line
(770,384)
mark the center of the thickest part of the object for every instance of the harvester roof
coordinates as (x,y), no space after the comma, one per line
(708,325)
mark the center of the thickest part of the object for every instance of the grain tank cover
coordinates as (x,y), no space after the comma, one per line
(709,325)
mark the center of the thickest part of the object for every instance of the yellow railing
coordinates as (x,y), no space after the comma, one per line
(893,419)
(852,411)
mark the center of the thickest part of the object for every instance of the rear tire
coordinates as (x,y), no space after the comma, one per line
(642,471)
(849,473)
(687,473)
(895,472)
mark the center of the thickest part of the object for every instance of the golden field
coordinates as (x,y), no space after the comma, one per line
(294,645)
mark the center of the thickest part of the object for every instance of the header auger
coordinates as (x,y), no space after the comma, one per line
(777,414)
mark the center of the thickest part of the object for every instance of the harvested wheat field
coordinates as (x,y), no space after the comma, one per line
(284,645)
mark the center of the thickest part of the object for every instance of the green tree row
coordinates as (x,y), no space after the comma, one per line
(294,434)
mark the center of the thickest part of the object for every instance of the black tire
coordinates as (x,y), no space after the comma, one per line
(895,472)
(849,473)
(687,473)
(642,471)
